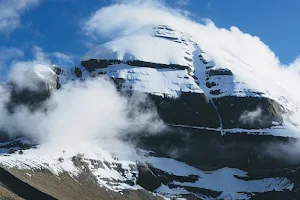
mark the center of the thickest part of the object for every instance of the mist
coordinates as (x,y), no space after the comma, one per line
(78,112)
(250,116)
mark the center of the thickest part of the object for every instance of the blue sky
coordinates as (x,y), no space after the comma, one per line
(55,25)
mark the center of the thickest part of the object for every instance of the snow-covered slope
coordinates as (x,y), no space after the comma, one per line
(115,173)
(145,48)
(161,60)
(201,90)
(34,78)
(160,63)
(165,45)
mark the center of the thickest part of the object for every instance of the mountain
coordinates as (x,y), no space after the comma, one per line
(226,120)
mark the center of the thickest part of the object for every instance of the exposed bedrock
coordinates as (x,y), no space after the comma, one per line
(249,112)
(196,109)
(37,86)
(160,177)
(30,94)
(27,97)
(192,109)
(209,150)
(93,64)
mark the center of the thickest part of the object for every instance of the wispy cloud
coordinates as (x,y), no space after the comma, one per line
(63,59)
(10,12)
(106,114)
(251,116)
(182,2)
(18,69)
(9,53)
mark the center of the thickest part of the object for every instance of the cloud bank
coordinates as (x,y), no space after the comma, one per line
(80,111)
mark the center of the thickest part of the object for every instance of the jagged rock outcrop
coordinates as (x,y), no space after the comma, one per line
(94,64)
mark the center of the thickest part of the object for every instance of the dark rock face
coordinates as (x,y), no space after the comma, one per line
(4,137)
(78,72)
(32,100)
(147,179)
(210,150)
(191,109)
(35,91)
(210,84)
(155,65)
(93,64)
(118,82)
(156,177)
(27,97)
(196,110)
(292,173)
(151,178)
(57,70)
(220,72)
(32,97)
(288,195)
(249,112)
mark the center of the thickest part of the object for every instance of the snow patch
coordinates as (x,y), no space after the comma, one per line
(223,180)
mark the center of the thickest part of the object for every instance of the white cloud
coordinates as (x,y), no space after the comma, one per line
(22,72)
(10,12)
(251,116)
(182,2)
(295,64)
(79,111)
(41,59)
(63,59)
(131,17)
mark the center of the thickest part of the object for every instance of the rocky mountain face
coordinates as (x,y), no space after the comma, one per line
(223,130)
